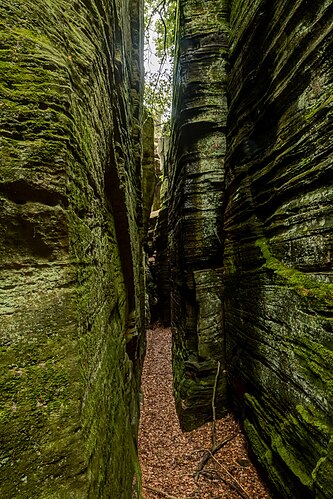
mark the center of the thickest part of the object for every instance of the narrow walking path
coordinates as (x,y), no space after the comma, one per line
(170,458)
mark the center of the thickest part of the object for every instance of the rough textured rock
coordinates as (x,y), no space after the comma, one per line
(196,179)
(71,291)
(162,267)
(148,188)
(148,169)
(278,238)
(259,238)
(259,282)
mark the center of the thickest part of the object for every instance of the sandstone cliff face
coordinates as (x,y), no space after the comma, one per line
(71,300)
(251,228)
(250,243)
(196,179)
(278,228)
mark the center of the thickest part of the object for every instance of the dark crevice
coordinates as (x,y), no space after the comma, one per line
(20,192)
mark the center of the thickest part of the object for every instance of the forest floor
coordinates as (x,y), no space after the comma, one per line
(170,459)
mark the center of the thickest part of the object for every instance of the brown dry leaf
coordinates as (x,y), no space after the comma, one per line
(170,458)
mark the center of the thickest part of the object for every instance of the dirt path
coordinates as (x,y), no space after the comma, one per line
(169,458)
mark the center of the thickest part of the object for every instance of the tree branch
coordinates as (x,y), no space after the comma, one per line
(209,453)
(234,483)
(214,407)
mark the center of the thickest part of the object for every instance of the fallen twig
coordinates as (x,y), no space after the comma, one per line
(209,453)
(161,493)
(211,474)
(196,451)
(234,483)
(213,405)
(219,476)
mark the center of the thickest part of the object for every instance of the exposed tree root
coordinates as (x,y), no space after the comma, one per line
(214,405)
(170,458)
(208,454)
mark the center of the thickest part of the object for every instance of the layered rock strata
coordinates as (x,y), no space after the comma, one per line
(251,229)
(278,227)
(71,290)
(162,267)
(196,176)
(149,177)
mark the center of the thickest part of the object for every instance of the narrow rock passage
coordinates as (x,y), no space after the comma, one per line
(169,458)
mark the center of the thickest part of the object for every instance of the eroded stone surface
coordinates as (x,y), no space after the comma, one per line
(196,177)
(278,238)
(276,233)
(71,291)
(250,243)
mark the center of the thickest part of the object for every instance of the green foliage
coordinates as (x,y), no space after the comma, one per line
(158,92)
(165,29)
(160,31)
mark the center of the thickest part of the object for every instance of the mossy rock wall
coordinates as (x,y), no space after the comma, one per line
(71,290)
(251,224)
(196,180)
(148,168)
(278,227)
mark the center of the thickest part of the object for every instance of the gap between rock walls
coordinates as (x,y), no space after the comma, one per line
(233,185)
(211,461)
(251,282)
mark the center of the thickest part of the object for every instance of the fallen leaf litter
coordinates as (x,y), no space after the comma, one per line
(170,459)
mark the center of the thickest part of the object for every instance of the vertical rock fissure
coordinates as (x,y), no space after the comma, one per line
(247,231)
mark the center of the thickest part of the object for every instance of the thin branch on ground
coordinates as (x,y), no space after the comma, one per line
(168,456)
(234,483)
(214,406)
(197,451)
(212,473)
(209,453)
